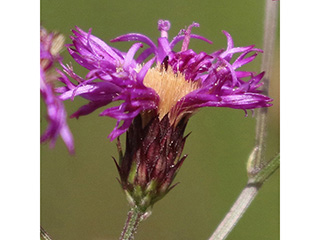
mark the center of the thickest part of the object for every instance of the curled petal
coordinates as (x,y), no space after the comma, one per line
(144,70)
(135,37)
(144,55)
(129,56)
(177,39)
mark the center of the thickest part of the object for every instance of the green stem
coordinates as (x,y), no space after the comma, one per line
(244,200)
(258,169)
(130,227)
(270,25)
(266,171)
(236,212)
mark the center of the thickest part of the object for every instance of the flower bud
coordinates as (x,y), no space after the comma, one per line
(151,160)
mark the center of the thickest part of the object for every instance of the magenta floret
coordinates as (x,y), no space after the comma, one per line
(119,76)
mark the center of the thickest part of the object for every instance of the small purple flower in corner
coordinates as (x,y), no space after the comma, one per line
(50,46)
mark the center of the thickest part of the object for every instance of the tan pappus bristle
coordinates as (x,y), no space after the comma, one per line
(54,44)
(170,86)
(57,44)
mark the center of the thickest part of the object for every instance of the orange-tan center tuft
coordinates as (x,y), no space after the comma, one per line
(170,87)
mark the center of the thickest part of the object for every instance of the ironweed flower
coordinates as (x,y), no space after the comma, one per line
(50,46)
(157,96)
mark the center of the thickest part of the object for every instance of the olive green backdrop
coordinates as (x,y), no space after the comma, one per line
(80,196)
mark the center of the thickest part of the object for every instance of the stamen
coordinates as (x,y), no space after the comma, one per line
(187,37)
(164,27)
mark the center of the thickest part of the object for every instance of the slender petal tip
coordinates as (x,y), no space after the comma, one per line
(164,25)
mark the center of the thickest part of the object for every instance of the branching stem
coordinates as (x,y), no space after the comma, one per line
(258,168)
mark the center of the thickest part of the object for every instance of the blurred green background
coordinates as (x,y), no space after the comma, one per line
(80,196)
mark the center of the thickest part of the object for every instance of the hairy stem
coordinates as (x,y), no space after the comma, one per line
(130,227)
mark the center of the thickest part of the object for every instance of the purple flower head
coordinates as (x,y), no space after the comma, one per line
(173,83)
(157,97)
(50,45)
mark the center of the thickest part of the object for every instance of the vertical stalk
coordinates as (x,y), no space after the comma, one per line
(270,25)
(130,227)
(258,169)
